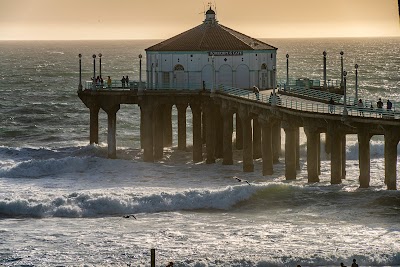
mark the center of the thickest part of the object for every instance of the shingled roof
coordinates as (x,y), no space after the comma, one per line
(210,36)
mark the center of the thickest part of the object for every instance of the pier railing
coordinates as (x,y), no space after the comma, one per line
(291,102)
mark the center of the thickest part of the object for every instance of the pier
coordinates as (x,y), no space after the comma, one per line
(257,125)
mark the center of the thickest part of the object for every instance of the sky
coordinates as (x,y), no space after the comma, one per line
(161,19)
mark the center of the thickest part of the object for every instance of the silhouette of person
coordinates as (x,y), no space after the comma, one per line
(123,81)
(256,91)
(388,105)
(342,265)
(360,107)
(331,105)
(127,81)
(170,264)
(109,82)
(354,264)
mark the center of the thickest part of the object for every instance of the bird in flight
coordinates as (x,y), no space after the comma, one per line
(129,216)
(241,180)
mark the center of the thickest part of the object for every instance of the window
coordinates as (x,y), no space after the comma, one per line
(179,67)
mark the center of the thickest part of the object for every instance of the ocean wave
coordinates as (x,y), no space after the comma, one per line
(85,204)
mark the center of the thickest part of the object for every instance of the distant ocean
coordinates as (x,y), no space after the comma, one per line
(62,200)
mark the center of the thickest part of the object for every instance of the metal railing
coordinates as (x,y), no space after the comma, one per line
(311,106)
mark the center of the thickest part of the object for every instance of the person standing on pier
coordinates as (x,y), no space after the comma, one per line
(360,107)
(127,81)
(123,81)
(379,106)
(256,91)
(388,105)
(331,106)
(109,82)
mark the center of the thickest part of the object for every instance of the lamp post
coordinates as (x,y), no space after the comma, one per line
(344,96)
(213,74)
(341,69)
(356,66)
(324,53)
(94,71)
(80,72)
(273,86)
(100,55)
(140,72)
(287,71)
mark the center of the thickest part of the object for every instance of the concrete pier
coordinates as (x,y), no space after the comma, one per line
(258,131)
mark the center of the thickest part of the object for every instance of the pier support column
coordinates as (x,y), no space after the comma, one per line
(219,131)
(312,153)
(327,144)
(167,118)
(256,139)
(141,128)
(112,130)
(146,108)
(343,156)
(266,145)
(248,165)
(203,126)
(239,133)
(290,151)
(158,133)
(197,141)
(276,140)
(336,153)
(181,126)
(297,148)
(364,157)
(94,124)
(227,138)
(391,141)
(210,132)
(319,153)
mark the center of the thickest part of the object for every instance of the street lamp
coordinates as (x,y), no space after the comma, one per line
(100,55)
(273,86)
(287,71)
(94,71)
(80,72)
(324,53)
(140,72)
(341,69)
(344,96)
(356,66)
(213,74)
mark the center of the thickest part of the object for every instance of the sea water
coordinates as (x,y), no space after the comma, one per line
(62,200)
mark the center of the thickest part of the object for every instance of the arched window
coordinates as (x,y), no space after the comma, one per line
(179,67)
(264,66)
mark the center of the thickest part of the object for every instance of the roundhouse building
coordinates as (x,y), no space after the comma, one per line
(211,53)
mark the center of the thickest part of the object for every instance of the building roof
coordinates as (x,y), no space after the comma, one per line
(210,36)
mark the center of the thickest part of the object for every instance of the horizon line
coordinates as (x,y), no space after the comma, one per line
(148,39)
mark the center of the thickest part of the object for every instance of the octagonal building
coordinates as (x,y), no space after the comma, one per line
(211,53)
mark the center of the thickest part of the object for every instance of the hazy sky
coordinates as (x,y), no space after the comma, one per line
(160,19)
